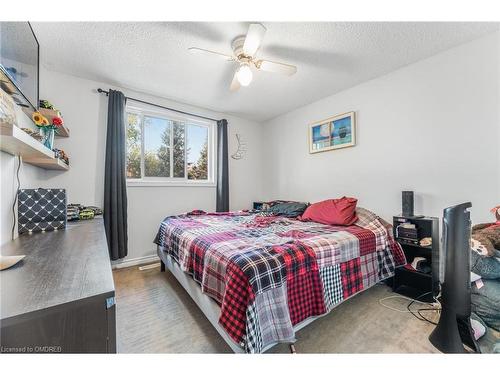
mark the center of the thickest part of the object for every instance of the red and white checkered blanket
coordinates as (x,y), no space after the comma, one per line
(269,273)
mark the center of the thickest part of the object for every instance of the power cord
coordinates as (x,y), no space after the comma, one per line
(412,300)
(423,318)
(420,316)
(14,218)
(408,307)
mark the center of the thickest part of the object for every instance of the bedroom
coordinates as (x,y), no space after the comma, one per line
(261,186)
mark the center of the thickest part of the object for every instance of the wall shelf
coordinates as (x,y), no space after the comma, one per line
(16,142)
(63,131)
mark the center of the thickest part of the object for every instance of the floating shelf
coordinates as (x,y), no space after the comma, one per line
(63,131)
(16,142)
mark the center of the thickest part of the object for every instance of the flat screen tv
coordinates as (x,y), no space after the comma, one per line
(19,63)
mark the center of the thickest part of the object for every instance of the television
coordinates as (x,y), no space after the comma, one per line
(19,63)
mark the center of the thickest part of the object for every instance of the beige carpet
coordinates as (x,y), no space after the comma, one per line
(156,315)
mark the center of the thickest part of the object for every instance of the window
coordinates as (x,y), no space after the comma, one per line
(165,148)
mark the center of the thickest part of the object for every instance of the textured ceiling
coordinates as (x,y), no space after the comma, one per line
(153,58)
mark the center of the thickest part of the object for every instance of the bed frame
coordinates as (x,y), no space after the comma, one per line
(207,305)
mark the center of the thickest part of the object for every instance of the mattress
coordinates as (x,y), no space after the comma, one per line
(270,273)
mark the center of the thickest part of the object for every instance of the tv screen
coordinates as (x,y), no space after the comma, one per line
(19,62)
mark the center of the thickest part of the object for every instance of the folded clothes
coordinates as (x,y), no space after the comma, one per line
(489,342)
(486,302)
(478,328)
(486,267)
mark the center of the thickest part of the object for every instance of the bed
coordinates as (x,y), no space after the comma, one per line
(259,278)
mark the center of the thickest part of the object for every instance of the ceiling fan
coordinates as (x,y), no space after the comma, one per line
(244,53)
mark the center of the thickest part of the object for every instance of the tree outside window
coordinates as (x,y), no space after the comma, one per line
(161,148)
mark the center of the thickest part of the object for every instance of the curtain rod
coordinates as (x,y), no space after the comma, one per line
(101,91)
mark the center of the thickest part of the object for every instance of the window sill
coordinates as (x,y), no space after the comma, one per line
(170,184)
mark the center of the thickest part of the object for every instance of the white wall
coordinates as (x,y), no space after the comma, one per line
(431,127)
(85,113)
(29,177)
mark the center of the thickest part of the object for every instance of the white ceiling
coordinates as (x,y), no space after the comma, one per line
(153,58)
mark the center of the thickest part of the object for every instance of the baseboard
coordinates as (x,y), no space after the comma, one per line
(134,261)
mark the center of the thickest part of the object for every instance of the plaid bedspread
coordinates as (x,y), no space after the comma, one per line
(269,273)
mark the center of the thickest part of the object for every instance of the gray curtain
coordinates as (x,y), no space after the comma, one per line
(222,168)
(115,189)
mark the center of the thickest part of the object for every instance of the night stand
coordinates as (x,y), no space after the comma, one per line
(410,282)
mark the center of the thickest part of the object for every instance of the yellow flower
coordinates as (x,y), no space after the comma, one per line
(39,120)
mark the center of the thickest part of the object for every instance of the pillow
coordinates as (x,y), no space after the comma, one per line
(340,211)
(288,209)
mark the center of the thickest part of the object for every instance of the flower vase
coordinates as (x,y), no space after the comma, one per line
(47,137)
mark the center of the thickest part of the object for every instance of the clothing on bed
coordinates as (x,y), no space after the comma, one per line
(270,273)
(288,209)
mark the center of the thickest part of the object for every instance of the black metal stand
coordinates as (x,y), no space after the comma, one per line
(454,328)
(446,336)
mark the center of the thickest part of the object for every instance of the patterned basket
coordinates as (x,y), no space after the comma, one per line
(41,210)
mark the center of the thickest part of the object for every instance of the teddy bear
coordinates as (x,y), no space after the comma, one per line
(485,264)
(486,237)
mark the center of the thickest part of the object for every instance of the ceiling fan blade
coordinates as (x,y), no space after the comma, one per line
(208,52)
(276,67)
(235,84)
(254,38)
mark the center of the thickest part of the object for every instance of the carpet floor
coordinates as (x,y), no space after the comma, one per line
(156,315)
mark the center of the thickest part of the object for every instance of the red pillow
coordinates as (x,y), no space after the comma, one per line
(340,211)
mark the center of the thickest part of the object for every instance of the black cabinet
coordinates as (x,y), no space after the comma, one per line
(257,205)
(61,297)
(408,281)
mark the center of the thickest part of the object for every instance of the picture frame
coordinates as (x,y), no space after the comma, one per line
(332,133)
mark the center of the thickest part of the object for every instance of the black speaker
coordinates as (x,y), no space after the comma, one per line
(407,203)
(454,327)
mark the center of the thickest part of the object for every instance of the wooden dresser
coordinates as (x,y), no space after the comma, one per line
(61,297)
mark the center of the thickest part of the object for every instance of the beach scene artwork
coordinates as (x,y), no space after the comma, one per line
(332,133)
(321,136)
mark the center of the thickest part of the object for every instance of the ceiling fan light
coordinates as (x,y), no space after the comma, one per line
(244,74)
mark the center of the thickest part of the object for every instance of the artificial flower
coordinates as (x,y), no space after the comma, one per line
(57,121)
(37,118)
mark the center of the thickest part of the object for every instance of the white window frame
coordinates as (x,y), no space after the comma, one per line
(186,119)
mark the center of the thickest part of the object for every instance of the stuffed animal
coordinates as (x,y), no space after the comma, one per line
(487,236)
(485,263)
(496,211)
(485,256)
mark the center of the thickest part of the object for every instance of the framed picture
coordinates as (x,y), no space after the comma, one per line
(333,133)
